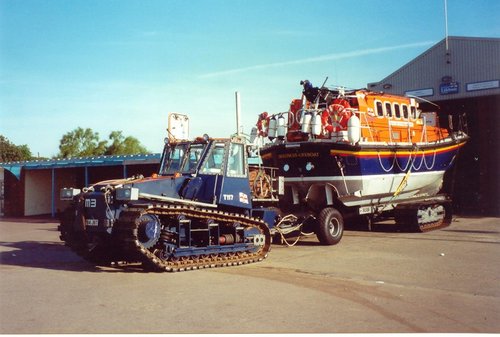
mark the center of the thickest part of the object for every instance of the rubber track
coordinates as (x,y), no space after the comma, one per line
(406,217)
(126,231)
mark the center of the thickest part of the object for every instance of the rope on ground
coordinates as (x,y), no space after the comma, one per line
(283,231)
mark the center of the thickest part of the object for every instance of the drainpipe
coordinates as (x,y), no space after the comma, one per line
(53,194)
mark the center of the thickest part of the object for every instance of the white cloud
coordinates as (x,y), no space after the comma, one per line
(322,58)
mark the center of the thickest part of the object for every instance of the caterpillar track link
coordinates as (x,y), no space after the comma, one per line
(424,216)
(164,252)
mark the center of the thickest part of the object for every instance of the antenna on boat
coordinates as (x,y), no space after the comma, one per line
(326,79)
(447,45)
(316,100)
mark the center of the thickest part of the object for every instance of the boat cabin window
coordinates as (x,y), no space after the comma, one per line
(388,109)
(379,109)
(405,111)
(413,112)
(397,112)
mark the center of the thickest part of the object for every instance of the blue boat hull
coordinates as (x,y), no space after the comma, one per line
(361,175)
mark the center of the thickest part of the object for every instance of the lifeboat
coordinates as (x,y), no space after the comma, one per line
(365,153)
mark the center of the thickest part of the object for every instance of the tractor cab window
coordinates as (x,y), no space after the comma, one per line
(183,158)
(192,158)
(236,160)
(172,158)
(214,160)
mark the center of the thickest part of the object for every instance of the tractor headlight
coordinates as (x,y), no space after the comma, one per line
(127,193)
(68,193)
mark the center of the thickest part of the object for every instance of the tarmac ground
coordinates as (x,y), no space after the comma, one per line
(446,280)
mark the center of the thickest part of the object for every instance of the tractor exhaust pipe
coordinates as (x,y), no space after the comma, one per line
(238,108)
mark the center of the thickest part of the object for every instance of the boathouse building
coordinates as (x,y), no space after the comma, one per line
(461,75)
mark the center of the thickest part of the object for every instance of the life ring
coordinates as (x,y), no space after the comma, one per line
(339,104)
(293,121)
(340,112)
(294,117)
(344,118)
(326,121)
(262,124)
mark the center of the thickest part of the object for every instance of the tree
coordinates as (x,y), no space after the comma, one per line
(84,142)
(121,145)
(12,152)
(81,143)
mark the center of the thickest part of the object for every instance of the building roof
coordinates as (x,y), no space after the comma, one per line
(16,167)
(457,67)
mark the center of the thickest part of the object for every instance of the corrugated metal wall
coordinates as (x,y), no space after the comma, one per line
(469,60)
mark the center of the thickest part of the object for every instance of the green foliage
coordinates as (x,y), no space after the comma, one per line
(84,143)
(121,145)
(12,152)
(81,143)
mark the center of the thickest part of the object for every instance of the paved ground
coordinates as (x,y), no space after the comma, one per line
(382,281)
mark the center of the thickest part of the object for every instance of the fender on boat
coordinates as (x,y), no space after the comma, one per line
(305,121)
(316,126)
(353,129)
(281,128)
(271,130)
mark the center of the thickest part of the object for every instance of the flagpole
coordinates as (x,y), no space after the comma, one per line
(446,23)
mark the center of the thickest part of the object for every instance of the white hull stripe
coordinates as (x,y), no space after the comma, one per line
(360,177)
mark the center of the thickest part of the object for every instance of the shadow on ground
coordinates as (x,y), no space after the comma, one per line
(53,256)
(30,219)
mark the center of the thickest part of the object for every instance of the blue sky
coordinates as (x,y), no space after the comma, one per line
(124,65)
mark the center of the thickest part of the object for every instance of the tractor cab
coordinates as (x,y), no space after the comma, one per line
(208,170)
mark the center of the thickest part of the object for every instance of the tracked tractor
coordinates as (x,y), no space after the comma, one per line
(196,212)
(206,207)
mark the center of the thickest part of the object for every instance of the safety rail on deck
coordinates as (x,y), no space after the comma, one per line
(264,183)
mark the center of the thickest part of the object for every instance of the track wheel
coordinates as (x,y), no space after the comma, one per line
(330,226)
(148,230)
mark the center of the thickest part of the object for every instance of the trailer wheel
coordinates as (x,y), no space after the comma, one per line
(330,226)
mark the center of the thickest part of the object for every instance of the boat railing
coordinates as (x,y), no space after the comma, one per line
(462,123)
(423,138)
(397,131)
(409,133)
(390,132)
(366,125)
